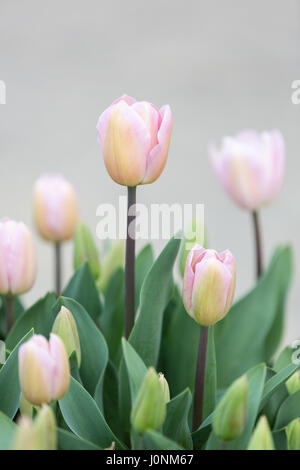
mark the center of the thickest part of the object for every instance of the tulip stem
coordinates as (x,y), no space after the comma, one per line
(58,268)
(9,312)
(130,262)
(258,244)
(200,378)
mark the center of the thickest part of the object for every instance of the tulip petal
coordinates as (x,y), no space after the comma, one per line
(61,373)
(4,280)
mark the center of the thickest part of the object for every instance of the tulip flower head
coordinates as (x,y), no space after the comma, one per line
(251,167)
(44,369)
(17,258)
(55,208)
(208,285)
(134,137)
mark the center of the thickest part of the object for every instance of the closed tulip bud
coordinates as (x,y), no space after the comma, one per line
(85,250)
(45,428)
(261,438)
(208,285)
(113,260)
(165,387)
(134,138)
(65,327)
(25,437)
(251,167)
(55,208)
(44,369)
(293,434)
(149,409)
(17,258)
(231,412)
(293,383)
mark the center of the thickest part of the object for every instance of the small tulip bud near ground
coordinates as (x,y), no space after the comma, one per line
(165,387)
(25,438)
(45,428)
(134,138)
(261,438)
(251,167)
(44,369)
(85,250)
(65,327)
(149,409)
(55,208)
(208,285)
(113,260)
(231,412)
(293,383)
(293,434)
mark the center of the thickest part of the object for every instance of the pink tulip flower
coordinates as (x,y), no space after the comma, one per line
(55,208)
(134,137)
(208,285)
(17,258)
(44,369)
(251,167)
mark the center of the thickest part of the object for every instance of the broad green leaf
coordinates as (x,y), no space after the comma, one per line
(246,329)
(69,441)
(94,352)
(143,263)
(176,424)
(155,441)
(276,381)
(39,317)
(112,318)
(84,418)
(136,368)
(269,406)
(111,400)
(289,410)
(7,432)
(82,288)
(155,294)
(9,381)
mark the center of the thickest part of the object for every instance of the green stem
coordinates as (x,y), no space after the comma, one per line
(58,268)
(130,263)
(9,312)
(200,378)
(258,244)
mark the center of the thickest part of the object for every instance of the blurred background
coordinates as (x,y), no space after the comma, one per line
(222,66)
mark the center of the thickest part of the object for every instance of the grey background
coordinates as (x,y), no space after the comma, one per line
(221,65)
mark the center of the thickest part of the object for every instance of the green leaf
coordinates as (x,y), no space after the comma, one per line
(155,294)
(176,424)
(39,317)
(94,352)
(7,432)
(82,288)
(269,407)
(112,319)
(248,326)
(18,310)
(135,367)
(276,381)
(111,400)
(155,441)
(143,263)
(9,381)
(69,441)
(84,418)
(289,410)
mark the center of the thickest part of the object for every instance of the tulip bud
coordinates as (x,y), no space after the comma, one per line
(261,438)
(208,285)
(65,327)
(134,138)
(45,429)
(149,409)
(293,383)
(251,167)
(113,260)
(85,250)
(230,416)
(165,387)
(17,258)
(55,208)
(293,434)
(44,369)
(195,235)
(25,438)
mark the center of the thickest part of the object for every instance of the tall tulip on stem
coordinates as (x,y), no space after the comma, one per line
(251,168)
(17,263)
(56,215)
(134,138)
(208,290)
